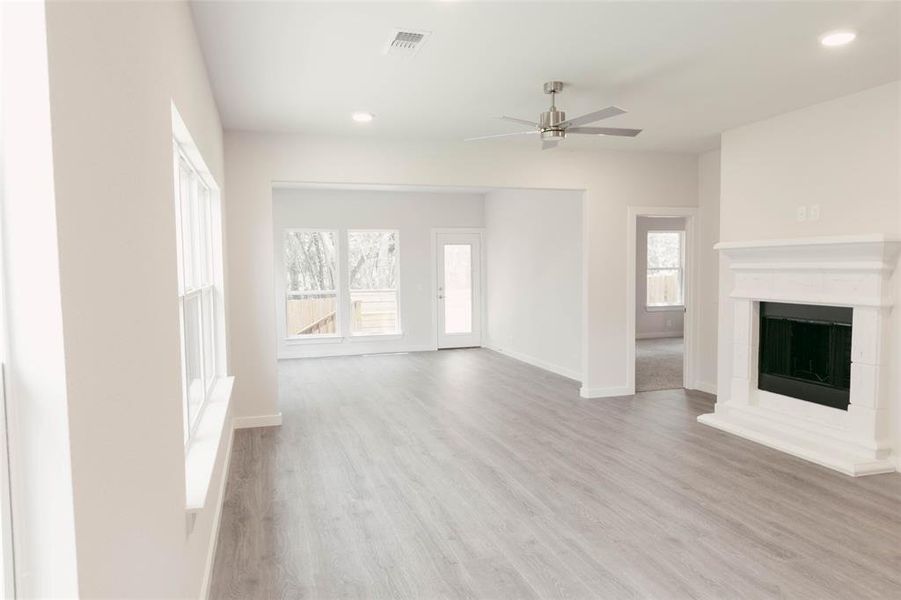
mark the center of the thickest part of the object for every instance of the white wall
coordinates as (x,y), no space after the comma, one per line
(414,214)
(842,155)
(708,269)
(534,279)
(653,323)
(115,68)
(612,181)
(38,407)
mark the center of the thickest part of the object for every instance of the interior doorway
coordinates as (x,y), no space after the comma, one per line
(458,289)
(661,264)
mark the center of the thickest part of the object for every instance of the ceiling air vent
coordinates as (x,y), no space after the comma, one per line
(405,42)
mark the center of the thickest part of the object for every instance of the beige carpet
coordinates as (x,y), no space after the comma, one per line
(658,364)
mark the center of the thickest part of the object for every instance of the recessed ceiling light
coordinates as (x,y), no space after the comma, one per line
(837,38)
(362,117)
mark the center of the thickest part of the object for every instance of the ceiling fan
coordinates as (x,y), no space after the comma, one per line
(553,126)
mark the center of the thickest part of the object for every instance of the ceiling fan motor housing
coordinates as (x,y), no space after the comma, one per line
(549,122)
(552,134)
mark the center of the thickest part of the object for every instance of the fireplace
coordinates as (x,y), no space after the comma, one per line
(805,352)
(804,362)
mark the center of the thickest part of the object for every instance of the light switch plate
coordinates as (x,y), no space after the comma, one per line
(802,213)
(813,212)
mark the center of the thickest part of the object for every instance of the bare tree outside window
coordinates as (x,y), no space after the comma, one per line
(373,259)
(311,268)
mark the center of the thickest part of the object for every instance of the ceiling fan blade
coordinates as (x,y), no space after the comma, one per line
(521,121)
(604,113)
(548,144)
(499,135)
(605,131)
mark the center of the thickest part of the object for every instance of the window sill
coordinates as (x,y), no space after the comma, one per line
(315,339)
(200,453)
(678,308)
(337,339)
(375,337)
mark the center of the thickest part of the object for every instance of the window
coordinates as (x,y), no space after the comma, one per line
(323,302)
(311,267)
(457,288)
(200,306)
(373,282)
(665,268)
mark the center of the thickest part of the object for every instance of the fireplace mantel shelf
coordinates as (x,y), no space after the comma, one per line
(870,239)
(863,253)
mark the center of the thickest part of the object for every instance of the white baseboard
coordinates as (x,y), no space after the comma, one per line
(658,334)
(606,392)
(217,518)
(258,421)
(706,386)
(536,362)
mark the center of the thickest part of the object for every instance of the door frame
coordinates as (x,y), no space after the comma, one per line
(689,328)
(481,305)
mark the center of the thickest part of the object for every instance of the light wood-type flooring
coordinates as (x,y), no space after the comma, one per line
(466,474)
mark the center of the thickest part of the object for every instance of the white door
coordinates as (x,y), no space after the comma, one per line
(459,293)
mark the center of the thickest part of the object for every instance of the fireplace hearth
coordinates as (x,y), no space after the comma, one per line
(805,352)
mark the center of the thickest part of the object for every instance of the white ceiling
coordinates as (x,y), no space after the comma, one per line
(685,71)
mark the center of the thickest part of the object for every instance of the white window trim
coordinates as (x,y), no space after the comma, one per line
(399,332)
(330,338)
(680,268)
(203,439)
(376,337)
(339,299)
(200,457)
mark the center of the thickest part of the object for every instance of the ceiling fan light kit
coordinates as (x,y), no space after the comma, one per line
(552,125)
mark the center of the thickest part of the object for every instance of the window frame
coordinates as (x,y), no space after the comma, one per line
(339,277)
(398,332)
(680,269)
(207,198)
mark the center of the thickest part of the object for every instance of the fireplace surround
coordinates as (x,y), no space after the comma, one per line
(842,275)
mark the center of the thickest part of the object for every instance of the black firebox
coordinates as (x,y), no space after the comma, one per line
(805,352)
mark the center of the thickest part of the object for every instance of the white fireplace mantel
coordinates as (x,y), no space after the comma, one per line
(853,271)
